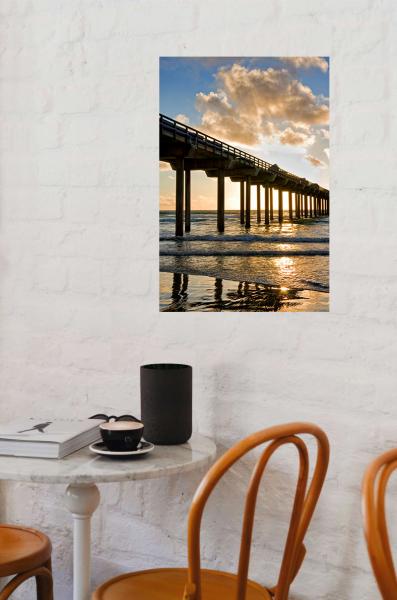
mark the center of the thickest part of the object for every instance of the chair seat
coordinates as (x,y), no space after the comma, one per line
(22,549)
(169,584)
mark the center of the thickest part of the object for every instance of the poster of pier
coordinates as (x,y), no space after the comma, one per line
(244,184)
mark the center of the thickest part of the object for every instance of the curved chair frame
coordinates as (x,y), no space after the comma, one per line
(374,488)
(43,577)
(305,501)
(33,563)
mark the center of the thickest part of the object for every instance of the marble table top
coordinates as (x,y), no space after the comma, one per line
(85,467)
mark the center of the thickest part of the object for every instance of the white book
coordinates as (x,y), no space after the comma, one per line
(41,438)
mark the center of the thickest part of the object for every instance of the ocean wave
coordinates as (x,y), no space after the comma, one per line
(165,220)
(241,252)
(245,238)
(315,285)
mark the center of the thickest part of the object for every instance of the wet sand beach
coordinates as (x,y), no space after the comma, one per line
(181,292)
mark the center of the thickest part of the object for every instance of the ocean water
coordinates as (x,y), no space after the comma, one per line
(292,255)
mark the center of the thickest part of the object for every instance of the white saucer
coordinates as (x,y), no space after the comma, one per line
(143,448)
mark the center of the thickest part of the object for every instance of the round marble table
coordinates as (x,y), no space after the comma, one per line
(81,472)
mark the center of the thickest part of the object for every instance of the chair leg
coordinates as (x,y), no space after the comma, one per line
(44,583)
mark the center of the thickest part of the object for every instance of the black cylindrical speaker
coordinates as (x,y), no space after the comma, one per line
(166,403)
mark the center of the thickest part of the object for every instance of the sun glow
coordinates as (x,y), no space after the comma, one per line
(204,193)
(285,265)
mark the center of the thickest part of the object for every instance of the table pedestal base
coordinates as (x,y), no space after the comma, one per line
(82,500)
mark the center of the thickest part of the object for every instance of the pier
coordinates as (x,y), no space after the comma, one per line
(186,149)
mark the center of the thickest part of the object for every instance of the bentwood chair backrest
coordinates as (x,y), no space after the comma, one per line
(304,503)
(374,488)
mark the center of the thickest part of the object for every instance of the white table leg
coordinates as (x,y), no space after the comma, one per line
(82,500)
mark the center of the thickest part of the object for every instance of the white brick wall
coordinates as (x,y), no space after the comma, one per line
(79,261)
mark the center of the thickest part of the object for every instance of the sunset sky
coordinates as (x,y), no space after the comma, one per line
(274,108)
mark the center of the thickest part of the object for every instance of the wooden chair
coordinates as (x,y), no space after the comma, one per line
(195,583)
(374,487)
(25,553)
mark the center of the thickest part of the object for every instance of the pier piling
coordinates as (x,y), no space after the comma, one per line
(258,203)
(248,203)
(267,205)
(242,202)
(187,200)
(280,205)
(179,197)
(221,201)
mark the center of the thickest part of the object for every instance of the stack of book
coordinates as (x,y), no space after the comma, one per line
(47,439)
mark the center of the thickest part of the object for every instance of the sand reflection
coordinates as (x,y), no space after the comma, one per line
(180,292)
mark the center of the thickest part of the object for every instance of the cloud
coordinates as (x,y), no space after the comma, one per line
(295,138)
(271,93)
(320,146)
(182,118)
(213,102)
(221,119)
(325,133)
(255,104)
(316,162)
(306,62)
